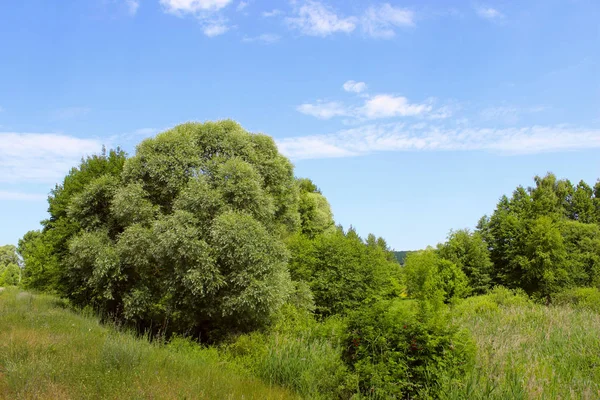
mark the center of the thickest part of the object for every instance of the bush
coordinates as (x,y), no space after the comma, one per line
(397,354)
(581,298)
(490,303)
(433,279)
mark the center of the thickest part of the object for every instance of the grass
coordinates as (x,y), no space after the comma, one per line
(49,352)
(529,351)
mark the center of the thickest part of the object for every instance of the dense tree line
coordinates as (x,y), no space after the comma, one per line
(543,239)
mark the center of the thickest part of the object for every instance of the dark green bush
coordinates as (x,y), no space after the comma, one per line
(398,354)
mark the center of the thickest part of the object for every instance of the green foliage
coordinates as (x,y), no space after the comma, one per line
(10,271)
(315,213)
(580,298)
(433,279)
(41,265)
(185,236)
(73,205)
(342,271)
(298,353)
(8,255)
(545,238)
(470,253)
(397,353)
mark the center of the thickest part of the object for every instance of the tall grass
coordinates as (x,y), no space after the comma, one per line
(529,351)
(298,353)
(48,352)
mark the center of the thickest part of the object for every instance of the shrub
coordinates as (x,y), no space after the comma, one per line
(397,354)
(582,298)
(431,278)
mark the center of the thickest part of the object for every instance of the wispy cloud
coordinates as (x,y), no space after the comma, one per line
(206,11)
(381,21)
(180,7)
(423,137)
(508,114)
(26,157)
(20,196)
(272,13)
(488,13)
(354,87)
(215,27)
(316,19)
(267,38)
(242,5)
(325,110)
(70,113)
(132,6)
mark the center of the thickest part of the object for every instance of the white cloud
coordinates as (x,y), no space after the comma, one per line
(70,113)
(423,137)
(206,11)
(272,13)
(20,196)
(374,107)
(242,5)
(214,28)
(354,87)
(264,38)
(26,157)
(488,13)
(132,6)
(381,21)
(315,19)
(324,110)
(386,106)
(193,6)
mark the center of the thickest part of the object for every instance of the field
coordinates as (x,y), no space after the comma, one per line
(524,351)
(529,351)
(49,352)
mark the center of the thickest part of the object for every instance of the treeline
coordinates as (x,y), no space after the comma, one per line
(206,233)
(543,240)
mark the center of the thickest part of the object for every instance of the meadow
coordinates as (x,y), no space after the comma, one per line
(50,352)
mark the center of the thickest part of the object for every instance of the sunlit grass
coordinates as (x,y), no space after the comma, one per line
(530,351)
(49,352)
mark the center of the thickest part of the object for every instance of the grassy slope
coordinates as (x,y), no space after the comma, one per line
(48,352)
(530,351)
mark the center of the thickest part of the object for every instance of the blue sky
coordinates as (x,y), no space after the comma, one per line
(412,117)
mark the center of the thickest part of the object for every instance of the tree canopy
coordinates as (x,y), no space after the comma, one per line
(186,235)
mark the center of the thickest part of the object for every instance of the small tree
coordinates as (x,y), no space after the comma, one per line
(470,253)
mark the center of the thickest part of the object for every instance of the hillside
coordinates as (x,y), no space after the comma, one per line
(49,352)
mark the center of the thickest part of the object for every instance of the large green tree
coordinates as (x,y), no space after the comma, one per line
(342,271)
(186,235)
